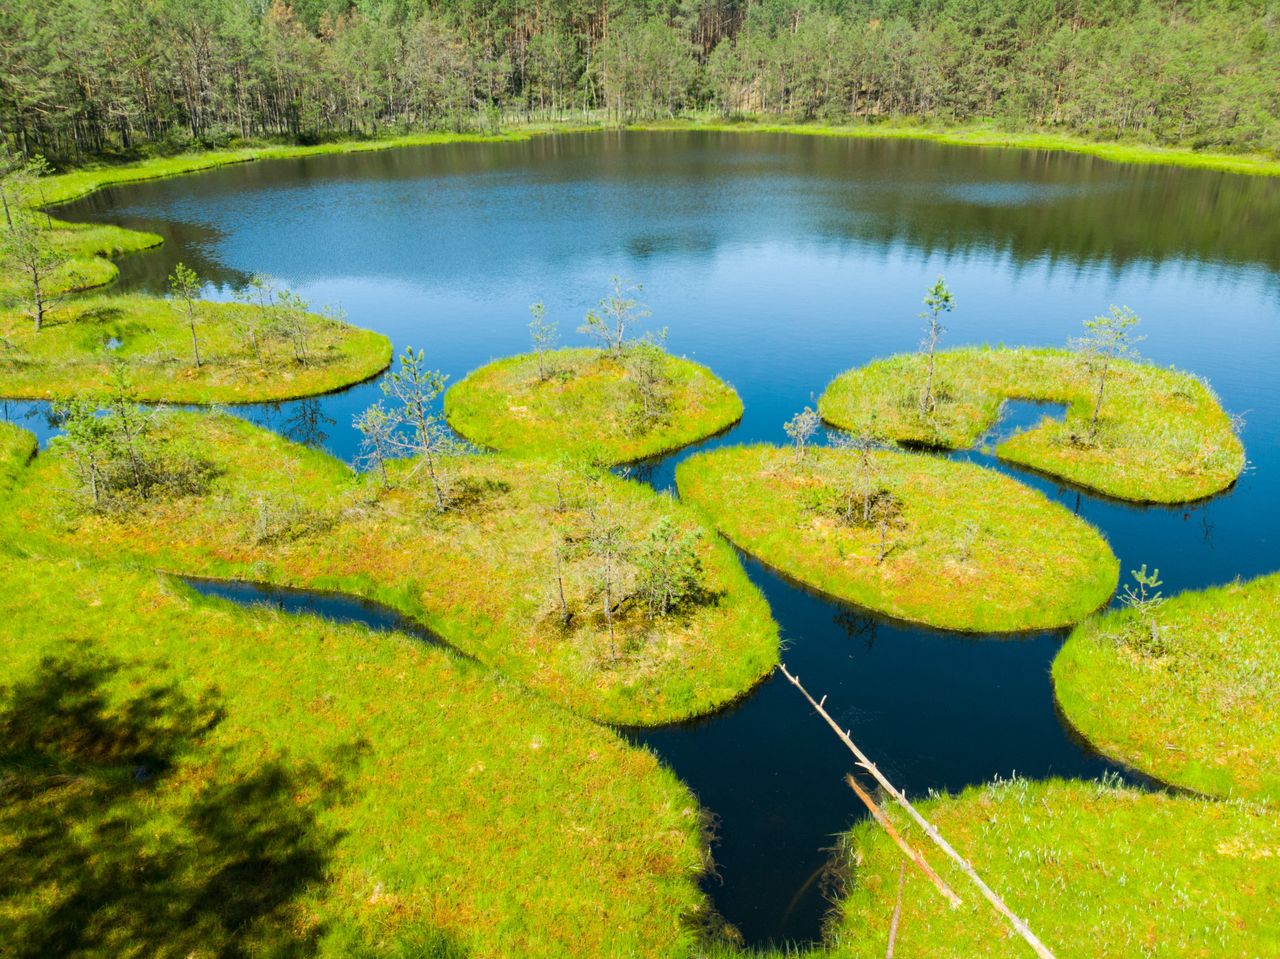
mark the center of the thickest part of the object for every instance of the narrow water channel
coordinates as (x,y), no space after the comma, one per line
(779,262)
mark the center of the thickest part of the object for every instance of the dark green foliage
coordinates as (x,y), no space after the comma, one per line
(84,77)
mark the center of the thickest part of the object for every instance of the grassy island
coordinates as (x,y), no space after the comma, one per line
(578,399)
(907,535)
(1162,436)
(242,360)
(595,591)
(1097,872)
(187,777)
(1186,692)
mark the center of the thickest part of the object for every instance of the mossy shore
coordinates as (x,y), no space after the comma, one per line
(1097,872)
(1188,696)
(83,339)
(946,558)
(485,575)
(1163,436)
(583,400)
(184,777)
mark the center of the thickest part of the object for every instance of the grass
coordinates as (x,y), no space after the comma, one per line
(88,245)
(71,354)
(1163,435)
(588,402)
(1094,870)
(1193,704)
(184,777)
(17,447)
(953,561)
(482,575)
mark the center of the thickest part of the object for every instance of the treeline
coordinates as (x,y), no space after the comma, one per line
(86,77)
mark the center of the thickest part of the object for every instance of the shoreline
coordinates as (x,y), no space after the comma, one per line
(74,184)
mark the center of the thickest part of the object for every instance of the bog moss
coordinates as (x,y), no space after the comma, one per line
(186,777)
(486,575)
(964,548)
(1187,696)
(1163,436)
(587,399)
(80,341)
(1095,871)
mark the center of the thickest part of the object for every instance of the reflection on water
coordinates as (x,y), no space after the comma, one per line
(780,262)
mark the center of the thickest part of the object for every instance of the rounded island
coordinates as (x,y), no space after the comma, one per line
(619,405)
(911,536)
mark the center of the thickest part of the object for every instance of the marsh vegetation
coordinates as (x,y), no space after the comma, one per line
(906,535)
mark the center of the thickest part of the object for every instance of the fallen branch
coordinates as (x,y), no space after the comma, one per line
(897,913)
(865,762)
(907,849)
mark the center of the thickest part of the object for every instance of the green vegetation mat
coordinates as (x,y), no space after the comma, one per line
(183,777)
(484,575)
(1191,701)
(17,447)
(950,560)
(587,402)
(1095,871)
(1163,436)
(83,338)
(87,245)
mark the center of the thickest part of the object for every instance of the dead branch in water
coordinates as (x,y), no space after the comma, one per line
(865,762)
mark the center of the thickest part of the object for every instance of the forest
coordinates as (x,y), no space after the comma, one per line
(88,78)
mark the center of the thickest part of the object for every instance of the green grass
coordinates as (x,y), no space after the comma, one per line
(1163,435)
(482,575)
(357,794)
(1095,871)
(1196,705)
(70,354)
(975,550)
(17,447)
(88,245)
(587,404)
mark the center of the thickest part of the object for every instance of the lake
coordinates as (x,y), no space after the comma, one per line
(779,261)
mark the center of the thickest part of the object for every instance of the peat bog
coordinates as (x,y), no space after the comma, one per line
(778,263)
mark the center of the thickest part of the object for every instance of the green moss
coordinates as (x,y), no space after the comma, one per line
(1193,705)
(483,575)
(70,355)
(953,561)
(1095,871)
(17,447)
(357,789)
(587,401)
(1163,436)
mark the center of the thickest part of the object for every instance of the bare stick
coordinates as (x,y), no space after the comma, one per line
(907,849)
(997,903)
(897,911)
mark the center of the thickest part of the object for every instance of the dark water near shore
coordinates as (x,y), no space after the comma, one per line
(779,262)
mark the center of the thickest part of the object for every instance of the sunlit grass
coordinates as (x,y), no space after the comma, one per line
(1193,704)
(483,575)
(454,811)
(975,550)
(83,337)
(586,404)
(1163,435)
(1095,871)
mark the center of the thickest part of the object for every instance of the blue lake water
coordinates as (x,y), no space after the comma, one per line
(780,261)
